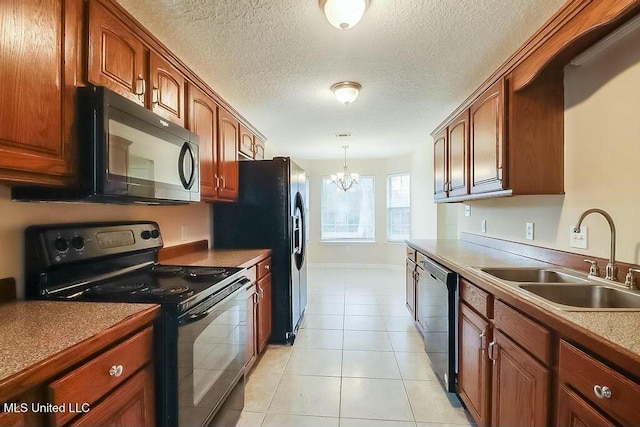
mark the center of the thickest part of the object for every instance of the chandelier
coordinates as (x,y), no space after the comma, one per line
(345,180)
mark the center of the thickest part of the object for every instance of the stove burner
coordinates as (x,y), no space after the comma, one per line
(170,291)
(167,269)
(117,289)
(207,272)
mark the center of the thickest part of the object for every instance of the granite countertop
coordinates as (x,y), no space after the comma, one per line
(33,331)
(221,258)
(617,328)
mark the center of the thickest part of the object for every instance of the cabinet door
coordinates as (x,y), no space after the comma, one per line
(228,137)
(458,158)
(38,73)
(488,154)
(12,419)
(245,144)
(573,411)
(520,386)
(258,148)
(410,288)
(132,404)
(264,312)
(440,178)
(251,343)
(473,364)
(203,121)
(167,89)
(116,57)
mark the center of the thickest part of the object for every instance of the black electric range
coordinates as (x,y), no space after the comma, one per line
(199,338)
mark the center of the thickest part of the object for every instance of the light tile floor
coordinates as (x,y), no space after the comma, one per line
(358,361)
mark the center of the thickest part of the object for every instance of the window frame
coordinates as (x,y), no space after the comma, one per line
(395,238)
(334,240)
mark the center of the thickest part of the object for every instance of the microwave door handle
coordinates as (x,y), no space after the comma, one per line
(186,149)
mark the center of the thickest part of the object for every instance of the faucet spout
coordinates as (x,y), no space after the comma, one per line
(612,269)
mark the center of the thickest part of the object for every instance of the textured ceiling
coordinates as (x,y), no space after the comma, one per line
(274,61)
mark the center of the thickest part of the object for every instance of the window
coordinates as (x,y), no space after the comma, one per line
(348,215)
(398,207)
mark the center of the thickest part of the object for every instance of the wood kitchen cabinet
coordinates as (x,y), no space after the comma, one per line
(117,58)
(458,155)
(245,143)
(487,124)
(440,169)
(474,366)
(410,282)
(228,168)
(251,328)
(40,52)
(167,89)
(203,121)
(258,151)
(264,304)
(574,411)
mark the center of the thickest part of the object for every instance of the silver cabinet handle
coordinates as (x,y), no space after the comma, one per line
(481,339)
(116,370)
(491,345)
(155,98)
(602,392)
(140,93)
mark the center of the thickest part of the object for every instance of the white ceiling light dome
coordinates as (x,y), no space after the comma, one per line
(344,14)
(346,92)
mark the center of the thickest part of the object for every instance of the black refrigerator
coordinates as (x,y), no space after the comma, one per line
(270,213)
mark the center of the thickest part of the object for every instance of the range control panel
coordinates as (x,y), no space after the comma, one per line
(64,243)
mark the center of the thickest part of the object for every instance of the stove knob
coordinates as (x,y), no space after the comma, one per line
(77,242)
(61,244)
(155,234)
(146,234)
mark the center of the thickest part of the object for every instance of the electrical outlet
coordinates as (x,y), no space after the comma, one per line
(483,226)
(467,210)
(185,232)
(578,240)
(529,231)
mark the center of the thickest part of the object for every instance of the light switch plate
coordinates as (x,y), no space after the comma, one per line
(578,240)
(467,210)
(529,231)
(483,226)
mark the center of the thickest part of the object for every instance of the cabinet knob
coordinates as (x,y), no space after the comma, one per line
(116,370)
(267,267)
(602,392)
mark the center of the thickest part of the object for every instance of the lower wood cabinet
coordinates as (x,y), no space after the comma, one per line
(410,290)
(252,316)
(474,369)
(520,386)
(574,411)
(129,405)
(264,312)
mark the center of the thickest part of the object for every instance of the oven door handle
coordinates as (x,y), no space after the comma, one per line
(192,318)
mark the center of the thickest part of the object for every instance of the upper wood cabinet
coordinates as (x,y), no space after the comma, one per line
(487,119)
(228,169)
(258,152)
(440,177)
(203,121)
(117,59)
(245,143)
(167,89)
(458,155)
(38,71)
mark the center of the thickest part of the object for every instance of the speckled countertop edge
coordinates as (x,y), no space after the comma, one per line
(33,331)
(221,258)
(618,328)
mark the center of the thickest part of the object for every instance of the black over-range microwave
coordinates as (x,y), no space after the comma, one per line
(126,154)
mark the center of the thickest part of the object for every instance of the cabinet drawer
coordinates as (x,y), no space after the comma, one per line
(96,378)
(264,268)
(531,336)
(475,297)
(419,259)
(583,373)
(411,254)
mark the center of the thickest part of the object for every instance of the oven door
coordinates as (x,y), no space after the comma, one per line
(211,353)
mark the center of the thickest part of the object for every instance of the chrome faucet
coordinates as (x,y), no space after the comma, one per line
(612,269)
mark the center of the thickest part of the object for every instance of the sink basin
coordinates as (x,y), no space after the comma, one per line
(592,297)
(532,275)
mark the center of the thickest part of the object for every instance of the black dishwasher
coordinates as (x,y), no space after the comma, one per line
(437,314)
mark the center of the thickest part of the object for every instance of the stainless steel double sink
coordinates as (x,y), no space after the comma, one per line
(568,291)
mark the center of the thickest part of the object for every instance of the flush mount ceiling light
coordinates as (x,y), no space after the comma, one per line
(346,92)
(345,180)
(344,14)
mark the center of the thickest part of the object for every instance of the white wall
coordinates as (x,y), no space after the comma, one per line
(18,215)
(602,164)
(381,252)
(424,213)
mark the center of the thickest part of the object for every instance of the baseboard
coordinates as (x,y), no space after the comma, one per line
(352,265)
